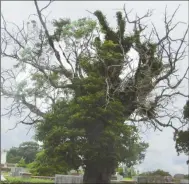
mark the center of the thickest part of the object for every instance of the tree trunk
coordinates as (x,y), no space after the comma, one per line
(100,163)
(97,174)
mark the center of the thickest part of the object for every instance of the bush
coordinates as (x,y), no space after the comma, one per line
(43,166)
(21,163)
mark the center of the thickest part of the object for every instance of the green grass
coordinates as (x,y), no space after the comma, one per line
(15,180)
(128,179)
(5,173)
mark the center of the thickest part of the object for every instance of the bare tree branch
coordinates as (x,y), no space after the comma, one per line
(67,73)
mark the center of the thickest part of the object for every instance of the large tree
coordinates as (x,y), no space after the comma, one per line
(83,89)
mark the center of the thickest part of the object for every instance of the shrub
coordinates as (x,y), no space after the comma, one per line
(21,163)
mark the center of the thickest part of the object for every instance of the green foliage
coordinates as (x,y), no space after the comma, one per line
(45,166)
(65,29)
(129,173)
(120,170)
(15,180)
(182,141)
(91,126)
(182,137)
(13,156)
(71,131)
(87,125)
(21,163)
(26,150)
(186,110)
(158,172)
(29,150)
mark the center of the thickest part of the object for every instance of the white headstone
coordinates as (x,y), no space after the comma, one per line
(142,179)
(184,181)
(179,176)
(59,179)
(2,178)
(3,156)
(15,171)
(119,177)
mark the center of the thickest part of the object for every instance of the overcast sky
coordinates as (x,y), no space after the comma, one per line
(161,154)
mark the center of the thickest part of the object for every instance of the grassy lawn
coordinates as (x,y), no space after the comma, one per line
(14,180)
(128,179)
(5,173)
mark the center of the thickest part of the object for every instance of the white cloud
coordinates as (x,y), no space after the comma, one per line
(161,153)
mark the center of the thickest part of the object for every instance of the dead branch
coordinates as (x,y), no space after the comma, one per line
(170,57)
(67,73)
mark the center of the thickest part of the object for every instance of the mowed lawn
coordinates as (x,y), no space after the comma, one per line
(128,179)
(14,180)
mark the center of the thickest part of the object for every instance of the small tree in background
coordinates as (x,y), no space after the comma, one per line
(26,150)
(13,155)
(22,163)
(158,172)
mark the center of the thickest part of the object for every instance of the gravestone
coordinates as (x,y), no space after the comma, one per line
(25,175)
(179,176)
(184,181)
(168,179)
(134,178)
(142,179)
(3,157)
(116,177)
(72,172)
(113,177)
(119,177)
(159,179)
(15,171)
(59,179)
(3,178)
(149,179)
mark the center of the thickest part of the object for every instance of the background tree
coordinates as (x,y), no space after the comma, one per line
(13,155)
(182,136)
(90,86)
(26,151)
(158,172)
(21,163)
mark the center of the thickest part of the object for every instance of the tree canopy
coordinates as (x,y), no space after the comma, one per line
(182,136)
(157,172)
(26,151)
(13,156)
(43,165)
(83,92)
